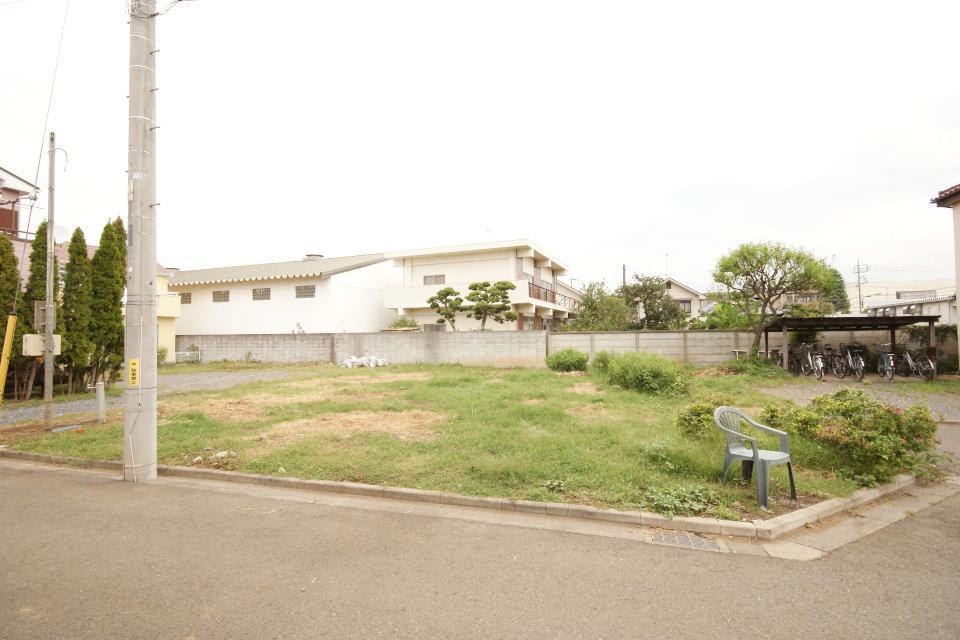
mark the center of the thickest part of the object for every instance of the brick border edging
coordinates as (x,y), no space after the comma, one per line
(759,529)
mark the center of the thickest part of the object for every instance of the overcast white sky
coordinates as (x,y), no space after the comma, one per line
(606,132)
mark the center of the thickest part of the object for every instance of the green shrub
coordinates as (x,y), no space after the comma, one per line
(567,360)
(404,322)
(755,365)
(601,361)
(161,356)
(679,501)
(872,441)
(648,372)
(696,420)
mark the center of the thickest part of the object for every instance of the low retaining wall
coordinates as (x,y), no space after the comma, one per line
(492,348)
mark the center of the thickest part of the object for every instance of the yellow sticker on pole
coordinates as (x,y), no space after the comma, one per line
(133,379)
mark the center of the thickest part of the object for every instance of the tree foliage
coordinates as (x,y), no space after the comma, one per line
(600,310)
(762,273)
(834,291)
(490,302)
(77,344)
(447,303)
(9,275)
(35,290)
(653,307)
(108,277)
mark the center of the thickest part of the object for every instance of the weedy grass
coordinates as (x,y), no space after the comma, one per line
(514,433)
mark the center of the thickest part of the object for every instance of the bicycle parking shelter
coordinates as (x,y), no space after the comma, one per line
(785,325)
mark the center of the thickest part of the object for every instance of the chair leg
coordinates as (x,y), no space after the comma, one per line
(793,487)
(746,469)
(726,468)
(763,475)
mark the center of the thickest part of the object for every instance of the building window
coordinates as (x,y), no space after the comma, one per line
(434,328)
(435,279)
(221,296)
(306,291)
(669,285)
(186,298)
(686,305)
(262,293)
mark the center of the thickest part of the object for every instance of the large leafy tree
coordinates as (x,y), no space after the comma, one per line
(77,299)
(834,291)
(761,273)
(600,310)
(447,303)
(490,302)
(653,307)
(106,311)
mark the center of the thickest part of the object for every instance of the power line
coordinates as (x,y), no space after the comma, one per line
(46,121)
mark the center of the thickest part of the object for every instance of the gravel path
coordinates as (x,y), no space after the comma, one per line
(898,392)
(168,384)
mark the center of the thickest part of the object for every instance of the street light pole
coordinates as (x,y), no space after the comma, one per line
(140,334)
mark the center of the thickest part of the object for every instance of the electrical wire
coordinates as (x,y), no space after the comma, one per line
(46,121)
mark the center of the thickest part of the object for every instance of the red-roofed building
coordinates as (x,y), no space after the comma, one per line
(949,198)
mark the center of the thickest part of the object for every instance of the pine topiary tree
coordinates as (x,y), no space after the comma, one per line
(490,302)
(447,303)
(106,311)
(77,299)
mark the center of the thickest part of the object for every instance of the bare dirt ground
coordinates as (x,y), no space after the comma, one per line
(406,425)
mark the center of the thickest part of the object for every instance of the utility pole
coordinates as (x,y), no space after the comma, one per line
(140,336)
(624,276)
(50,316)
(860,271)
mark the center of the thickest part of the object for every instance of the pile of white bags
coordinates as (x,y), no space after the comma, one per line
(354,362)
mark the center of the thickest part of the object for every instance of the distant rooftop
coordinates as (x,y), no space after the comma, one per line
(948,197)
(312,266)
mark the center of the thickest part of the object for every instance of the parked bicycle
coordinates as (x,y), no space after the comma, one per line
(810,359)
(885,361)
(833,362)
(910,362)
(850,360)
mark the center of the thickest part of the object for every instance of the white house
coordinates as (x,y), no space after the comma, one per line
(540,299)
(313,295)
(944,306)
(689,299)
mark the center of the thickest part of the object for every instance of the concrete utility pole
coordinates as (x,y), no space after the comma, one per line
(140,337)
(860,271)
(50,316)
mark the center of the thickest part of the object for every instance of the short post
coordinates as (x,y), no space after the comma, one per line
(766,344)
(101,403)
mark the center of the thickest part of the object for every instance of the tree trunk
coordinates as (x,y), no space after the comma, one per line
(28,388)
(483,323)
(69,378)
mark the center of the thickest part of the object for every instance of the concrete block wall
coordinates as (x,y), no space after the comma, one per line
(265,347)
(494,348)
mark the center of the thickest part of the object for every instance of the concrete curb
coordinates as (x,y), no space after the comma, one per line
(759,529)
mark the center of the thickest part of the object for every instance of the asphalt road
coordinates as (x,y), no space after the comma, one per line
(87,556)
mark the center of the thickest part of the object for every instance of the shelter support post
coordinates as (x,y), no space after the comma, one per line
(785,351)
(932,345)
(893,339)
(766,344)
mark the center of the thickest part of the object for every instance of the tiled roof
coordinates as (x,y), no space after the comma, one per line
(947,193)
(307,268)
(910,301)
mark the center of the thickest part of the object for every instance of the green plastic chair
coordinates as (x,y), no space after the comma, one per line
(744,448)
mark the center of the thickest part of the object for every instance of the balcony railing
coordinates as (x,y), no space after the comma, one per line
(542,293)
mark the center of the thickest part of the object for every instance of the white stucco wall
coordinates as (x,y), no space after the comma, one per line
(470,267)
(350,301)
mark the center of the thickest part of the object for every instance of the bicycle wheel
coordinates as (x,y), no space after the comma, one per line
(839,367)
(888,369)
(902,368)
(805,367)
(858,367)
(927,369)
(818,369)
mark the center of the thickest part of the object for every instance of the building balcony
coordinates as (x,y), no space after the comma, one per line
(526,293)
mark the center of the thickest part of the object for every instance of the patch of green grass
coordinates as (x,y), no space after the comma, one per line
(515,433)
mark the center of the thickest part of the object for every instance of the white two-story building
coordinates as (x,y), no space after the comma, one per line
(367,292)
(540,299)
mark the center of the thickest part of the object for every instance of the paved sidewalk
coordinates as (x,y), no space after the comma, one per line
(167,384)
(87,556)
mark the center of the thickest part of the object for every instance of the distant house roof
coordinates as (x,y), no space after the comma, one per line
(309,267)
(10,180)
(688,288)
(906,302)
(948,197)
(535,251)
(22,247)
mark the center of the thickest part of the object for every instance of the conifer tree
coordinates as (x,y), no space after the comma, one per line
(77,298)
(36,289)
(106,316)
(9,283)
